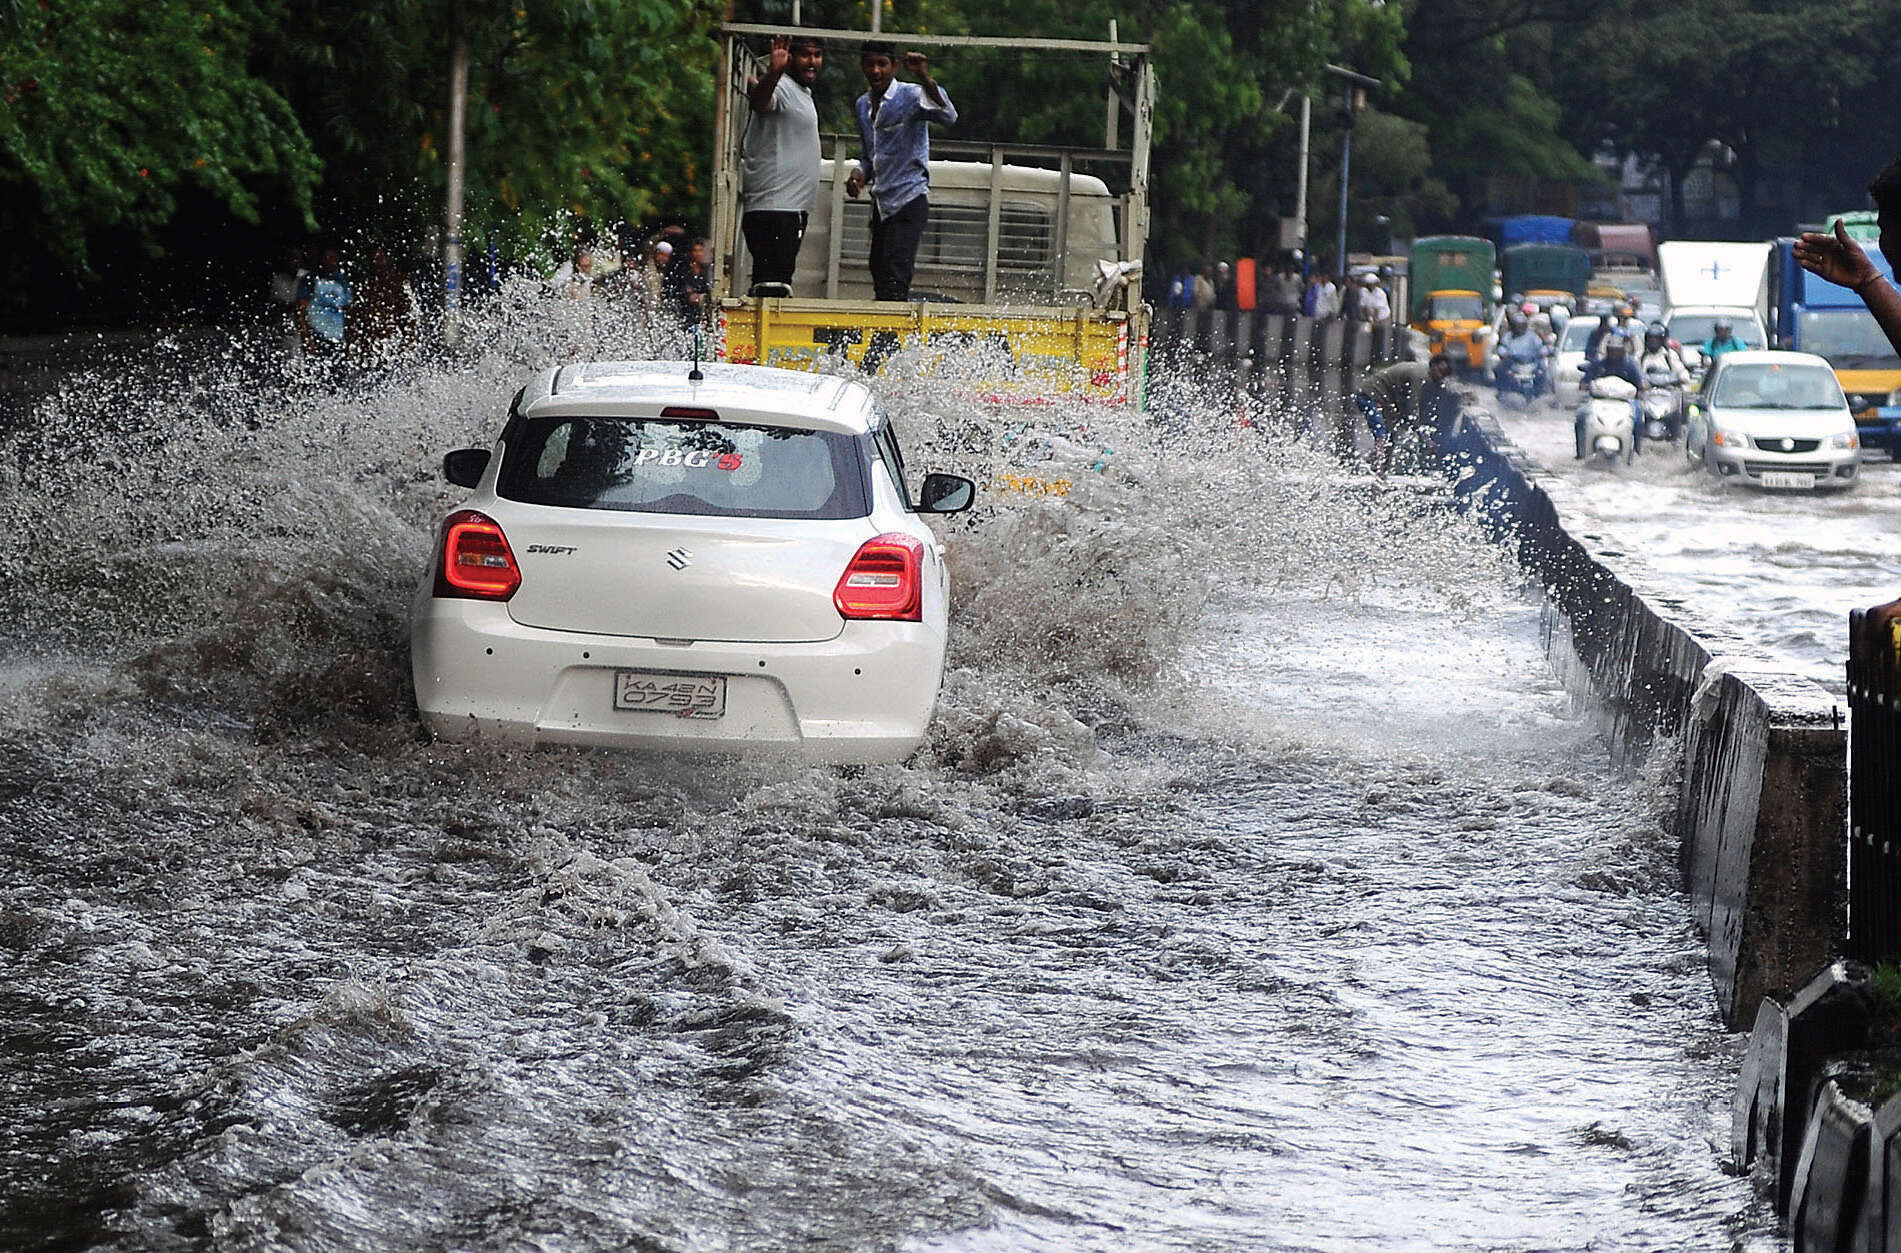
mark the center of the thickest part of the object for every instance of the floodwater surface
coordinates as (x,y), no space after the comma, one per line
(1780,569)
(1258,888)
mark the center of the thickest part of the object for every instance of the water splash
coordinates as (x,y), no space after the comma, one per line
(1237,774)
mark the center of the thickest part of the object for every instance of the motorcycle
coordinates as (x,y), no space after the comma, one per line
(1663,406)
(1518,376)
(1605,415)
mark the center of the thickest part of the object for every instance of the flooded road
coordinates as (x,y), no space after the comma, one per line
(1259,886)
(1783,568)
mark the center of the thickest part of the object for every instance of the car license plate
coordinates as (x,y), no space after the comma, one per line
(682,695)
(1787,478)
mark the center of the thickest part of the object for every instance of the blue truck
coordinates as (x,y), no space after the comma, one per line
(1529,228)
(1813,315)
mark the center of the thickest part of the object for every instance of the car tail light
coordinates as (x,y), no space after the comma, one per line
(884,580)
(476,561)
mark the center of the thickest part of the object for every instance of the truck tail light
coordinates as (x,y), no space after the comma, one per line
(476,562)
(884,580)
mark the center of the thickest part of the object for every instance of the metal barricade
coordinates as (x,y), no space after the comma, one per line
(1874,785)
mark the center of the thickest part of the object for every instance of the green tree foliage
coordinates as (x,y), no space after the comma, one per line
(109,108)
(1787,89)
(118,118)
(579,110)
(1223,160)
(1392,178)
(1480,81)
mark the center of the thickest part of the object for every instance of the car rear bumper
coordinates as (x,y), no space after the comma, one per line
(864,696)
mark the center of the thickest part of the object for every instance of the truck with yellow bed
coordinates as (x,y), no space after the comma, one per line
(1027,283)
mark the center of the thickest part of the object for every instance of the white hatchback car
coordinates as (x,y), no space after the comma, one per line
(725,560)
(1775,419)
(1567,367)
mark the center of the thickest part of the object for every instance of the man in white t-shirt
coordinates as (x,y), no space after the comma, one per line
(1373,306)
(781,161)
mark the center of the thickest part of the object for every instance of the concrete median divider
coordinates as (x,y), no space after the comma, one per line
(1762,810)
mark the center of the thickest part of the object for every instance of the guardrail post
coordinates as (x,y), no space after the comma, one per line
(1330,346)
(1874,788)
(1359,354)
(1221,348)
(1269,347)
(1297,372)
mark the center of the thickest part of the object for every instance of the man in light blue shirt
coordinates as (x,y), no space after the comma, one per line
(893,127)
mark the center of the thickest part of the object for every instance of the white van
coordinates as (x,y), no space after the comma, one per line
(1038,235)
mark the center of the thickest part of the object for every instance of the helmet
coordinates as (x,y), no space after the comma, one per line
(1516,320)
(1370,279)
(1623,309)
(1654,331)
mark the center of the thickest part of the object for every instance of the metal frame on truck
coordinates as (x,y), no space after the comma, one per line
(1051,320)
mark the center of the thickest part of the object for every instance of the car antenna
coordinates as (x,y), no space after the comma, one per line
(696,376)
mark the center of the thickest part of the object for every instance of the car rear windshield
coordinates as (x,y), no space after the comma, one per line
(1774,386)
(663,465)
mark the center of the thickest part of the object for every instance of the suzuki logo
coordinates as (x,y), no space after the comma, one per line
(1788,445)
(679,559)
(1715,271)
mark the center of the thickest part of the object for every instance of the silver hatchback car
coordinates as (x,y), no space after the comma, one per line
(1774,419)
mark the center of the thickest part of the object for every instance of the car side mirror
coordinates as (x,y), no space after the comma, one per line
(464,467)
(946,493)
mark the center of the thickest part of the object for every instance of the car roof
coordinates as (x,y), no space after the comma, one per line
(751,394)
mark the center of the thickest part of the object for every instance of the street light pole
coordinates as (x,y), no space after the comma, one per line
(1352,99)
(1346,164)
(1300,187)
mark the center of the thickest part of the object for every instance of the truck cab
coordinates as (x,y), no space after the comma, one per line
(1028,277)
(1452,281)
(1546,273)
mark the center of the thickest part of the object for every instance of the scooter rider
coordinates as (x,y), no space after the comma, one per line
(1520,343)
(1594,346)
(1616,363)
(1617,321)
(1723,338)
(1663,365)
(1539,321)
(1660,358)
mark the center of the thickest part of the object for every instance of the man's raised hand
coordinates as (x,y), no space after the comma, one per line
(1836,258)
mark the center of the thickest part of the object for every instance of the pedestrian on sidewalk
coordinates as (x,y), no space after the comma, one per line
(688,286)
